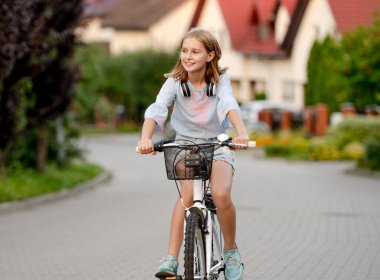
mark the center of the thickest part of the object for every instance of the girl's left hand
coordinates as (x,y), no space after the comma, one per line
(241,139)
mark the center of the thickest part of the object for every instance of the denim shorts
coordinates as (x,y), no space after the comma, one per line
(220,153)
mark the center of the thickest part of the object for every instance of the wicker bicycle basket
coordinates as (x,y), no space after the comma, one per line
(189,162)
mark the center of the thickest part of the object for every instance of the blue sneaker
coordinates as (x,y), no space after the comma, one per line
(168,267)
(233,267)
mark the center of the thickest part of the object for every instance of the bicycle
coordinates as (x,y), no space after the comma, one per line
(203,245)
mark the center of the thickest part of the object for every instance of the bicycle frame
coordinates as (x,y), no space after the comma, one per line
(214,239)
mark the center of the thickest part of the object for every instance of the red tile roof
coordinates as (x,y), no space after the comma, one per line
(353,13)
(244,18)
(243,21)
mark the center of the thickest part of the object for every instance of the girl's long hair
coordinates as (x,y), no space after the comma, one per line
(213,70)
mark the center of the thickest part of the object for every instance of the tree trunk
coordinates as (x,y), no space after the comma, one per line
(42,147)
(2,163)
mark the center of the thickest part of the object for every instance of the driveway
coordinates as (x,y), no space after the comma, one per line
(296,221)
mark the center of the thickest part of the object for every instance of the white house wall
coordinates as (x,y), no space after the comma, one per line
(281,24)
(317,23)
(167,33)
(94,32)
(127,41)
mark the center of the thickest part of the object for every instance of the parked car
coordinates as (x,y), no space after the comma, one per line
(250,114)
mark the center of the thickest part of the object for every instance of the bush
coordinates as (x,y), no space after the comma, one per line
(372,156)
(324,149)
(130,79)
(353,150)
(358,129)
(289,145)
(277,150)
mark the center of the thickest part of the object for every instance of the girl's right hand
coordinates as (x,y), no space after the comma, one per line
(145,146)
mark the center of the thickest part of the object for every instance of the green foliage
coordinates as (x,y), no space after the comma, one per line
(346,71)
(28,183)
(362,65)
(371,158)
(277,150)
(354,150)
(129,79)
(324,149)
(325,82)
(354,138)
(356,129)
(260,95)
(26,153)
(289,145)
(37,74)
(93,76)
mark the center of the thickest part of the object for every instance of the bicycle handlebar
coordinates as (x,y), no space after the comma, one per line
(161,145)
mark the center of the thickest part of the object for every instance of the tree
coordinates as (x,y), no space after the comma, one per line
(131,79)
(362,65)
(346,70)
(37,77)
(326,84)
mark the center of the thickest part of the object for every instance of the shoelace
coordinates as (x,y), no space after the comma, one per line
(232,260)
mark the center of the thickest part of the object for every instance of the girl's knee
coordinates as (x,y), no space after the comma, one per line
(222,199)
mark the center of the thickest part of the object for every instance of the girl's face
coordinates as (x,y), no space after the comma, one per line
(194,56)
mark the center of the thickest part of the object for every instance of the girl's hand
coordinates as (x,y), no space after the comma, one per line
(145,146)
(241,139)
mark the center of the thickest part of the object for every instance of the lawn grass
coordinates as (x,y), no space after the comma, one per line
(29,183)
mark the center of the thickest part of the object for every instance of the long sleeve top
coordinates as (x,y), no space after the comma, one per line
(197,116)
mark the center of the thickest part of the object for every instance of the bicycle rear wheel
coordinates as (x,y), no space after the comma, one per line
(195,254)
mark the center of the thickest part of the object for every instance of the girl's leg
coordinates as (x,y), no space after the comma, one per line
(221,184)
(176,228)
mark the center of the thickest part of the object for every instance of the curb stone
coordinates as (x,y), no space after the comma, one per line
(9,207)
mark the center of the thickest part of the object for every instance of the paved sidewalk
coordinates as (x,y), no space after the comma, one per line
(296,221)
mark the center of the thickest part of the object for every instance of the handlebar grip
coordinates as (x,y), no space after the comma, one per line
(158,146)
(251,144)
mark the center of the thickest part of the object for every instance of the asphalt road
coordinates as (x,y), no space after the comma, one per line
(296,221)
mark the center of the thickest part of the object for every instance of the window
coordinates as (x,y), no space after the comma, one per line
(288,91)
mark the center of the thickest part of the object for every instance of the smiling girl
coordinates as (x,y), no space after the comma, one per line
(204,107)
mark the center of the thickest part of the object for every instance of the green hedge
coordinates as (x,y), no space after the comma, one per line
(356,138)
(359,129)
(371,158)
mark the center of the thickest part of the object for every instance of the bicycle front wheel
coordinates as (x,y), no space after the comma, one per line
(195,255)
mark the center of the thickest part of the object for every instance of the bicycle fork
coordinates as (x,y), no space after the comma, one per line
(211,230)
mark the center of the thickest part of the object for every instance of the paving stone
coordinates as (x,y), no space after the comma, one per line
(296,221)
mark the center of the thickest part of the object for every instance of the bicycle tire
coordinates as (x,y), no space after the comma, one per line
(195,254)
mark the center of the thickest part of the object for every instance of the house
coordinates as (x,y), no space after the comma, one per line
(139,24)
(266,43)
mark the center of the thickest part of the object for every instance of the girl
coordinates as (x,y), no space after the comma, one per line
(203,108)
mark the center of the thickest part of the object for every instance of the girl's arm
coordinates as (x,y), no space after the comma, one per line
(145,144)
(156,115)
(236,120)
